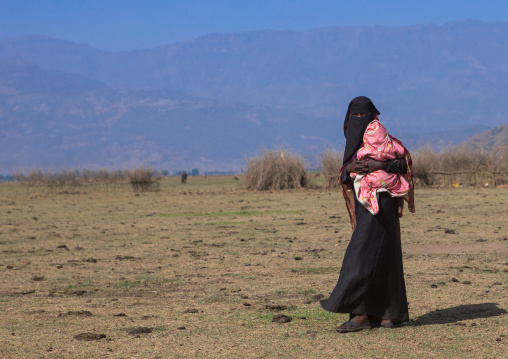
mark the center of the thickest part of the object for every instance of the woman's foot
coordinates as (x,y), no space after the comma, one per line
(358,322)
(361,319)
(387,323)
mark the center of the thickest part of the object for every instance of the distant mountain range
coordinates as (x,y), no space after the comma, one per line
(490,140)
(211,102)
(51,118)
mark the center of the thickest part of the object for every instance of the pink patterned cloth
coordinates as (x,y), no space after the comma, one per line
(378,145)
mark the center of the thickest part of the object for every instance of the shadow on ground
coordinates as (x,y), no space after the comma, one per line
(459,313)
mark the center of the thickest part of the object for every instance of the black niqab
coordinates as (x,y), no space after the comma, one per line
(354,127)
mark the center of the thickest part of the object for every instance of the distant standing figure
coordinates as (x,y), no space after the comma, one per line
(183,175)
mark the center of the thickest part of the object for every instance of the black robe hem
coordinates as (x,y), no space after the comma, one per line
(371,279)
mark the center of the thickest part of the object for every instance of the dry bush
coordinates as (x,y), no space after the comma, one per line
(36,177)
(331,162)
(424,161)
(49,178)
(32,178)
(460,166)
(142,179)
(500,155)
(104,175)
(271,171)
(497,165)
(462,158)
(65,178)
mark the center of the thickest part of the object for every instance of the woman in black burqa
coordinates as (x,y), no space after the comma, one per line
(371,284)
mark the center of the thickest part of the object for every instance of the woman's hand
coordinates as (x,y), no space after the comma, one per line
(368,165)
(400,206)
(351,167)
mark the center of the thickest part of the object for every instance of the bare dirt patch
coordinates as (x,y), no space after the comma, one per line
(473,248)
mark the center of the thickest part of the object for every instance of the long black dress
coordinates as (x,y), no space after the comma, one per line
(371,279)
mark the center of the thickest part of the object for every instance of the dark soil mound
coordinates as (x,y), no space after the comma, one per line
(89,336)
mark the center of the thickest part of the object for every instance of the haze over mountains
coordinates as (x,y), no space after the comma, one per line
(211,102)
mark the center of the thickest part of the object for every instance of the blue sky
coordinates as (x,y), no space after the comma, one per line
(128,24)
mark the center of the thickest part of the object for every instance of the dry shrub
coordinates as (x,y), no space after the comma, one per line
(142,179)
(103,175)
(497,165)
(331,162)
(50,178)
(501,157)
(271,171)
(36,177)
(460,166)
(32,178)
(424,161)
(462,158)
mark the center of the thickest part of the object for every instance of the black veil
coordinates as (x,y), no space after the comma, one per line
(354,127)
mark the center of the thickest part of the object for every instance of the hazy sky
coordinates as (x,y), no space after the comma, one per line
(129,24)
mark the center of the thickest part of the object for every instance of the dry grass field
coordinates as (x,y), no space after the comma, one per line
(200,270)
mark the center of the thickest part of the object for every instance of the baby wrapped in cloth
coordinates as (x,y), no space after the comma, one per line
(378,145)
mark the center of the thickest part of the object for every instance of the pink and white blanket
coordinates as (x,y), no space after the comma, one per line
(378,144)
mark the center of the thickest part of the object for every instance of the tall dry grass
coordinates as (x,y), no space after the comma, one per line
(141,178)
(331,162)
(49,178)
(271,171)
(104,175)
(460,166)
(424,162)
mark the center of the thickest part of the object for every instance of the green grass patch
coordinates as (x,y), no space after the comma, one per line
(79,285)
(171,280)
(219,299)
(317,314)
(160,329)
(267,318)
(307,291)
(224,223)
(234,275)
(227,214)
(126,284)
(316,270)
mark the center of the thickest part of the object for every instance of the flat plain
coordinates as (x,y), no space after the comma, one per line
(201,270)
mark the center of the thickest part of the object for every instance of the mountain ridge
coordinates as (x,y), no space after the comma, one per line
(314,72)
(489,140)
(94,125)
(437,84)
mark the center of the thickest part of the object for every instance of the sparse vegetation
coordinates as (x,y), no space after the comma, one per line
(275,171)
(141,178)
(460,166)
(331,162)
